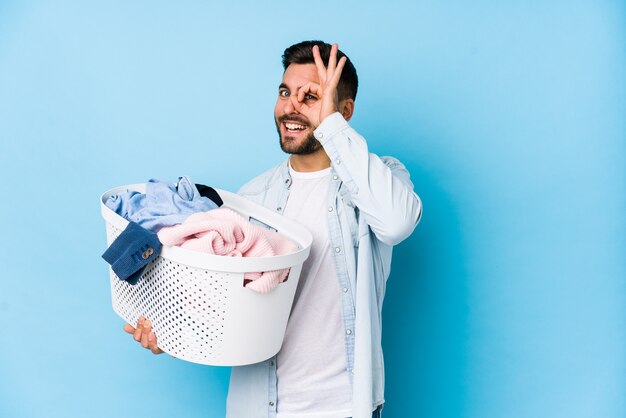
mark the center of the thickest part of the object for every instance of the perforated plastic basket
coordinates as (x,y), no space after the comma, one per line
(200,310)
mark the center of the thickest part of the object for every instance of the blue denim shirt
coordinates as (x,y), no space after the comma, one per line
(371,207)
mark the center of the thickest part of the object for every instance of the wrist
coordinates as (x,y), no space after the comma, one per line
(332,124)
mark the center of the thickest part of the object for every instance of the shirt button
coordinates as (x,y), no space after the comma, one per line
(345,290)
(337,249)
(271,362)
(279,209)
(271,403)
(330,208)
(147,253)
(338,161)
(319,135)
(335,177)
(349,331)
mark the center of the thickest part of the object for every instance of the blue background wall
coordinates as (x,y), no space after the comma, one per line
(508,301)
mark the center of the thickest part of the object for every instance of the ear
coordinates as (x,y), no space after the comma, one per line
(346,108)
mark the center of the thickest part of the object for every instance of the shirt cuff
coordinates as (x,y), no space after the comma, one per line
(330,127)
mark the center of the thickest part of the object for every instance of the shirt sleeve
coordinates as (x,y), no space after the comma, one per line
(380,187)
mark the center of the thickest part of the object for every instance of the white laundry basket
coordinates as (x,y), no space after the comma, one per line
(199,308)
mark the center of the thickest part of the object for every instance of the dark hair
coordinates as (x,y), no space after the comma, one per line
(302,53)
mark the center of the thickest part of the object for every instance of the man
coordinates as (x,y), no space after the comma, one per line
(357,206)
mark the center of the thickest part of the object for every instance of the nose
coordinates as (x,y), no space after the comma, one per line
(291,105)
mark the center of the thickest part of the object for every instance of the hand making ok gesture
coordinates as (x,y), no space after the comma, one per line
(325,92)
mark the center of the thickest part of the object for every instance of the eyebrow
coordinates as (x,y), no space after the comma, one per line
(284,86)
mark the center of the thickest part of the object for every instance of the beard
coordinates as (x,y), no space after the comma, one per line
(288,143)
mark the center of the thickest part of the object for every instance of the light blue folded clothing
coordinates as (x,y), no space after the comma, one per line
(163,204)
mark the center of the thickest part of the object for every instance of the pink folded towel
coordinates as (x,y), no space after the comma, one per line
(224,232)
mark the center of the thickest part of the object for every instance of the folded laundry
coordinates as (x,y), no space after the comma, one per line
(224,232)
(163,204)
(131,252)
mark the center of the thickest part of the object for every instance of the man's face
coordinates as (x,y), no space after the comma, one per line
(295,131)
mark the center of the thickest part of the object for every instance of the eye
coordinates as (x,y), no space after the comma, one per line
(309,97)
(283,93)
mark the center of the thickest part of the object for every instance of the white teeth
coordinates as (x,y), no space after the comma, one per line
(292,126)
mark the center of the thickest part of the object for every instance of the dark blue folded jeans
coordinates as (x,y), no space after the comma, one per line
(131,252)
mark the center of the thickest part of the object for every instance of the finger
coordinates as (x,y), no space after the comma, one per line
(309,88)
(321,69)
(152,344)
(139,329)
(337,75)
(302,91)
(332,61)
(128,328)
(147,328)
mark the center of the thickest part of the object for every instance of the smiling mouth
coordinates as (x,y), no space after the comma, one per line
(294,127)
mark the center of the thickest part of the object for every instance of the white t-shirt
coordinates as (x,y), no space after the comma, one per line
(311,366)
